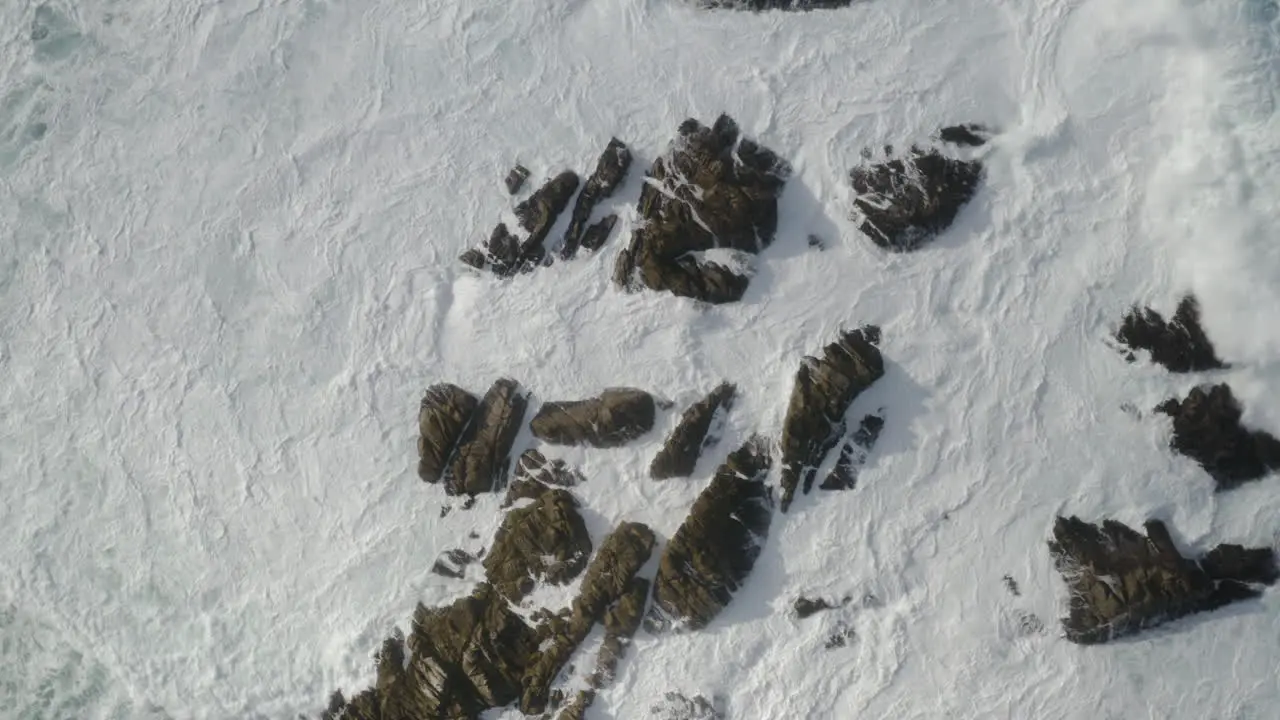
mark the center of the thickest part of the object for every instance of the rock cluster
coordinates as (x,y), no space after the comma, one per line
(713,189)
(694,433)
(844,476)
(465,441)
(611,169)
(1207,429)
(1180,345)
(1121,582)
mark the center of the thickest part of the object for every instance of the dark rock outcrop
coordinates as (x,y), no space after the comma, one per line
(803,607)
(716,547)
(453,563)
(823,391)
(612,419)
(903,203)
(970,134)
(853,455)
(679,455)
(546,540)
(505,254)
(445,411)
(515,179)
(610,170)
(1121,582)
(594,237)
(1207,429)
(1180,345)
(483,456)
(712,189)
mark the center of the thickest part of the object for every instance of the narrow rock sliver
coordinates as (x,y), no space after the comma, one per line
(611,169)
(694,433)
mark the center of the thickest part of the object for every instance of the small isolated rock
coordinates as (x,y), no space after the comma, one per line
(1180,345)
(903,203)
(841,637)
(716,547)
(804,607)
(844,476)
(483,457)
(824,389)
(614,418)
(453,563)
(546,540)
(445,411)
(610,171)
(1121,582)
(712,189)
(594,237)
(816,243)
(1207,429)
(515,178)
(970,134)
(679,455)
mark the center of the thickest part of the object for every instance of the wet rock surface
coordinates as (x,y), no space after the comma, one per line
(546,540)
(903,203)
(612,419)
(1121,582)
(853,454)
(824,389)
(693,434)
(483,456)
(714,550)
(714,188)
(505,254)
(442,417)
(1207,429)
(610,170)
(1180,344)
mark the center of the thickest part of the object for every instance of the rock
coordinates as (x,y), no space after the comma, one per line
(844,476)
(840,638)
(533,465)
(712,189)
(606,594)
(610,170)
(453,563)
(823,391)
(716,547)
(595,236)
(546,540)
(969,134)
(804,607)
(515,178)
(816,243)
(501,254)
(483,455)
(445,411)
(1207,429)
(505,254)
(675,706)
(903,203)
(1121,582)
(1181,345)
(679,455)
(614,418)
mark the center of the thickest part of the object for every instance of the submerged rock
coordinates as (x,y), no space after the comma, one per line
(903,203)
(546,540)
(610,171)
(823,391)
(1207,429)
(716,547)
(1180,345)
(445,411)
(713,188)
(853,455)
(612,419)
(1121,582)
(679,455)
(483,456)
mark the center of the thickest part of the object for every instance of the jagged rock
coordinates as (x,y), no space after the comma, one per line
(1121,582)
(903,203)
(1180,345)
(970,134)
(824,388)
(844,476)
(675,706)
(505,254)
(594,237)
(610,170)
(453,563)
(483,455)
(679,455)
(762,5)
(712,189)
(501,254)
(716,547)
(515,178)
(446,409)
(614,418)
(533,465)
(546,540)
(1207,429)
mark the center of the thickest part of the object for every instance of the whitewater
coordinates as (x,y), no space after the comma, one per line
(229,234)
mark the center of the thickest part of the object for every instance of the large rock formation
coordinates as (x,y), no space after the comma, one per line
(546,540)
(445,411)
(716,547)
(612,419)
(505,254)
(904,202)
(483,455)
(824,389)
(853,455)
(1207,429)
(679,455)
(1180,345)
(1121,582)
(712,189)
(610,170)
